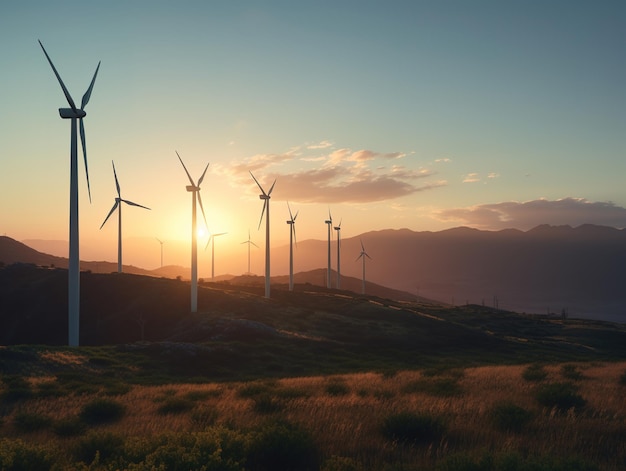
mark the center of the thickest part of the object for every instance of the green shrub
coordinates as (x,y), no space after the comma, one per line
(413,429)
(104,445)
(70,427)
(571,372)
(510,418)
(439,387)
(534,373)
(253,389)
(336,388)
(204,416)
(283,446)
(16,389)
(562,396)
(175,405)
(28,422)
(16,455)
(102,411)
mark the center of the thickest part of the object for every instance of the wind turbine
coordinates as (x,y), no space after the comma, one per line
(161,242)
(266,205)
(292,238)
(362,255)
(212,239)
(329,223)
(338,229)
(118,205)
(76,115)
(249,242)
(195,191)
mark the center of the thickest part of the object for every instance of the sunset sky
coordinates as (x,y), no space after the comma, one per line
(424,115)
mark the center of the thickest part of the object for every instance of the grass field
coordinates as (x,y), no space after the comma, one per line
(557,416)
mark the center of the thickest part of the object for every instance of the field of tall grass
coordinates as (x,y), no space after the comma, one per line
(526,417)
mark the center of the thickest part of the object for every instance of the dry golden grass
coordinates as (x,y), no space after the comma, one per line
(346,420)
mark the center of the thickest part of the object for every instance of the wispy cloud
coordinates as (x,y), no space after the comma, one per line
(471,178)
(320,173)
(529,214)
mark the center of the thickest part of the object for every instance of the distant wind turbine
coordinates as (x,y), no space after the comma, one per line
(195,191)
(266,205)
(292,239)
(338,229)
(161,242)
(118,205)
(249,242)
(76,115)
(362,255)
(329,223)
(212,239)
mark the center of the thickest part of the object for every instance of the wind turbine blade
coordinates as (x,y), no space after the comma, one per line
(254,244)
(362,248)
(134,204)
(294,218)
(87,94)
(82,140)
(368,256)
(360,255)
(289,208)
(208,242)
(202,209)
(110,212)
(68,97)
(339,226)
(260,187)
(271,188)
(202,177)
(183,164)
(117,184)
(293,228)
(262,213)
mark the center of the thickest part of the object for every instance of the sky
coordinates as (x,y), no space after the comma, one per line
(424,115)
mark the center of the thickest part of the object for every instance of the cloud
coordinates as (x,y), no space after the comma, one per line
(471,178)
(526,215)
(331,175)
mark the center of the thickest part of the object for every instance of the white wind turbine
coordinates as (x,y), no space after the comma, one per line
(195,191)
(362,255)
(292,238)
(118,205)
(161,242)
(266,205)
(249,242)
(76,115)
(338,229)
(212,239)
(329,223)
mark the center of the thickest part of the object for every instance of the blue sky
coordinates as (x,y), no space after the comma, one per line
(418,114)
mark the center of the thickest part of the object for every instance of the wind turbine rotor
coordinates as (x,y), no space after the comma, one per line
(87,94)
(186,171)
(68,97)
(117,183)
(115,205)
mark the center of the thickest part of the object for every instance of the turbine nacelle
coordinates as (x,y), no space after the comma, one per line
(69,113)
(192,188)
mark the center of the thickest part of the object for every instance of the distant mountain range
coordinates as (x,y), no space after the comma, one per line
(580,271)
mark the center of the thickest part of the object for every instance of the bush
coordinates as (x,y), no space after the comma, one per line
(266,404)
(104,445)
(27,422)
(15,455)
(510,418)
(337,388)
(283,446)
(175,405)
(16,389)
(413,429)
(534,373)
(68,427)
(102,411)
(439,387)
(571,372)
(562,396)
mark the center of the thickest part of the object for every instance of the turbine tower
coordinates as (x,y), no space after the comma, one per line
(249,242)
(292,238)
(266,205)
(362,255)
(329,223)
(195,191)
(161,242)
(338,229)
(212,239)
(118,205)
(76,115)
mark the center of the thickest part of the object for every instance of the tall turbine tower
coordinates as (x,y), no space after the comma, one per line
(249,242)
(76,115)
(362,255)
(161,242)
(338,229)
(118,205)
(195,191)
(329,223)
(266,205)
(292,238)
(212,239)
